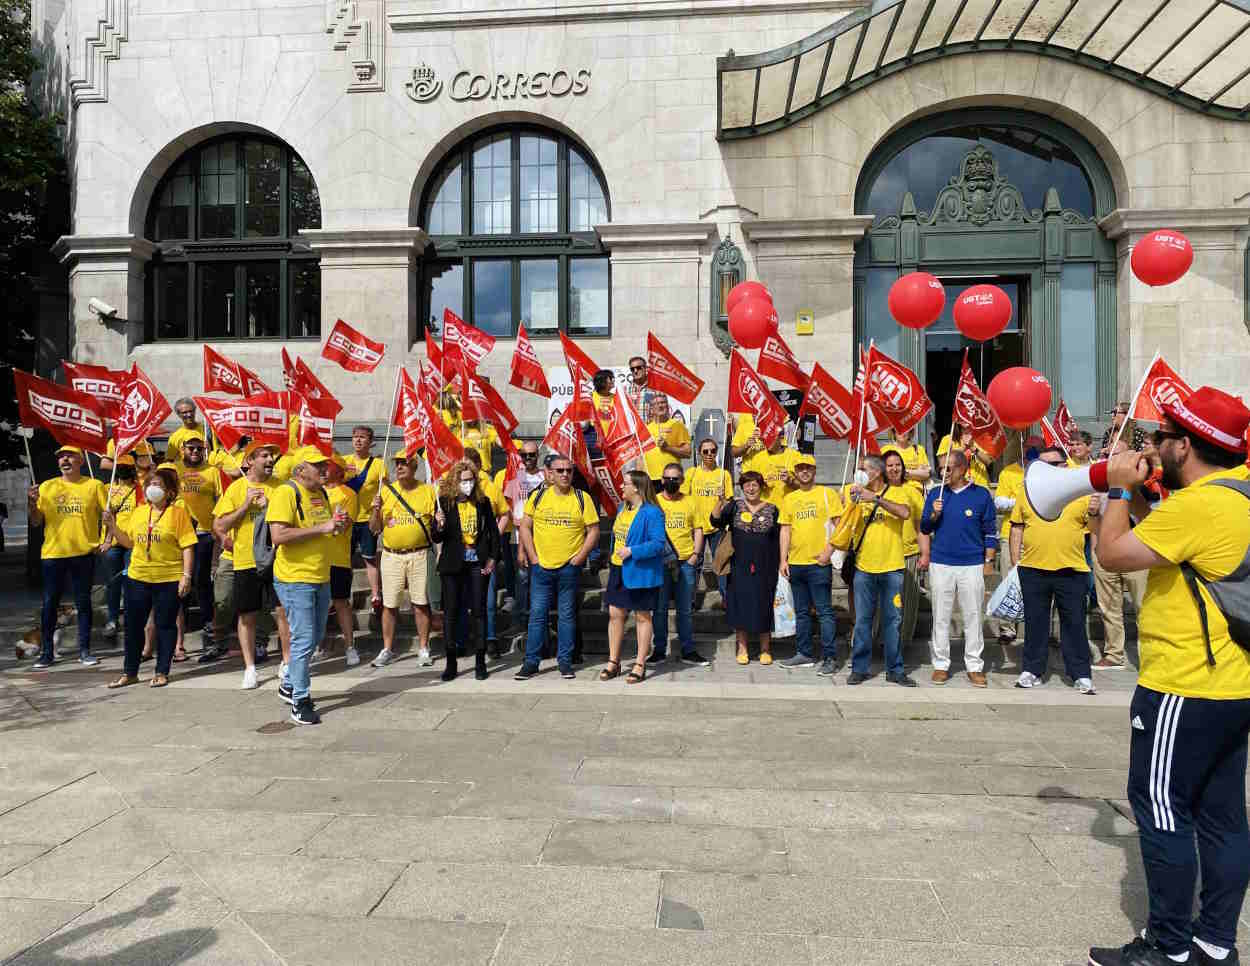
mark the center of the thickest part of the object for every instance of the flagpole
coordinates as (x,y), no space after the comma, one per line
(1133,402)
(390,418)
(846,463)
(951,435)
(30,460)
(86,458)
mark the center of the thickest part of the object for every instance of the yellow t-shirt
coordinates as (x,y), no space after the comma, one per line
(482,440)
(173,448)
(342,496)
(230,501)
(283,466)
(1011,486)
(915,500)
(675,432)
(1057,545)
(292,433)
(158,560)
(365,495)
(1209,528)
(71,516)
(620,530)
(914,458)
(775,468)
(226,461)
(306,561)
(976,469)
(468,521)
(502,500)
(807,513)
(493,493)
(122,498)
(744,426)
(199,489)
(707,488)
(560,523)
(681,519)
(882,549)
(402,530)
(452,421)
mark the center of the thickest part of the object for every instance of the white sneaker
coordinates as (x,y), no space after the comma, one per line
(110,629)
(424,659)
(282,671)
(353,657)
(1029,680)
(88,660)
(384,658)
(1084,686)
(249,680)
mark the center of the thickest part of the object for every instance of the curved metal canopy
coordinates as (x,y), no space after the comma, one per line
(1195,52)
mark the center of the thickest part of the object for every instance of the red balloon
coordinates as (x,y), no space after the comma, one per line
(916,300)
(1020,396)
(1162,257)
(746,290)
(982,312)
(751,321)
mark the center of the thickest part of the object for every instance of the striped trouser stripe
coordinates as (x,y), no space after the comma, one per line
(1161,762)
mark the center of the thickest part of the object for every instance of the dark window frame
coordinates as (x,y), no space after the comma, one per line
(466,248)
(285,248)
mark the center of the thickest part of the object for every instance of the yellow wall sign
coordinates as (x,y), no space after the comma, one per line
(805,322)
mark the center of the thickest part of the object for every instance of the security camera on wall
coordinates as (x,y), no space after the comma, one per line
(102,309)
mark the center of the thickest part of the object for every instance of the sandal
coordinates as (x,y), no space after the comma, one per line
(766,658)
(606,675)
(633,677)
(123,682)
(159,681)
(744,657)
(179,656)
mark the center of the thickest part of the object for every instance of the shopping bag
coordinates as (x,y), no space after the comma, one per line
(783,609)
(1007,601)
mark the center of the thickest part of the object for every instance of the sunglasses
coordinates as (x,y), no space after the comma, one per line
(563,472)
(672,479)
(708,452)
(1159,435)
(637,368)
(186,413)
(529,456)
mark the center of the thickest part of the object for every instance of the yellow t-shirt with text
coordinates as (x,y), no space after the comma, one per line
(776,469)
(199,488)
(915,502)
(976,469)
(1053,546)
(468,521)
(306,561)
(402,530)
(882,548)
(482,440)
(343,496)
(675,433)
(707,488)
(681,519)
(620,530)
(366,494)
(914,458)
(158,559)
(1209,528)
(71,516)
(807,513)
(560,523)
(1010,486)
(243,532)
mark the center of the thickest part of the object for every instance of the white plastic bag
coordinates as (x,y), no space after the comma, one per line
(783,609)
(1007,601)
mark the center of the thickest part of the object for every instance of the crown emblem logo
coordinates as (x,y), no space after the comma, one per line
(425,85)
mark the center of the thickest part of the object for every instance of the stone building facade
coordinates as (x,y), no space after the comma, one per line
(249,170)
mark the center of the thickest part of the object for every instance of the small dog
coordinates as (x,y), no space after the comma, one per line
(30,643)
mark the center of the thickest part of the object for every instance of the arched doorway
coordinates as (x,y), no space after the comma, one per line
(1002,196)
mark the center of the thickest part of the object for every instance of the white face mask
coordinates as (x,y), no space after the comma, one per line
(861,477)
(466,487)
(154,493)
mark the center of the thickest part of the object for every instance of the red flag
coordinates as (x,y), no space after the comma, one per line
(778,362)
(442,449)
(1065,426)
(582,370)
(1161,385)
(491,405)
(864,432)
(352,350)
(896,391)
(626,438)
(225,375)
(263,418)
(101,383)
(565,437)
(527,371)
(309,386)
(316,421)
(431,381)
(1050,437)
(831,402)
(289,377)
(405,380)
(973,410)
(749,394)
(143,411)
(433,352)
(603,487)
(73,417)
(410,416)
(463,340)
(666,374)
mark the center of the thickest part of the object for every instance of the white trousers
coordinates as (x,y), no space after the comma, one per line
(968,584)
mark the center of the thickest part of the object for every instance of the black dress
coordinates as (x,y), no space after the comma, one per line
(755,565)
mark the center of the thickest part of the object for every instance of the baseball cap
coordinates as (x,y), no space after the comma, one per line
(142,448)
(1212,415)
(805,459)
(256,444)
(400,455)
(192,438)
(308,454)
(70,449)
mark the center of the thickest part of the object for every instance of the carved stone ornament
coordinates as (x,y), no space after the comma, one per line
(979,195)
(726,262)
(425,84)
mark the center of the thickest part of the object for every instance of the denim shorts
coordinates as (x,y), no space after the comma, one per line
(364,541)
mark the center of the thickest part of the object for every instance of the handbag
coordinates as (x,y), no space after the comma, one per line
(848,565)
(722,560)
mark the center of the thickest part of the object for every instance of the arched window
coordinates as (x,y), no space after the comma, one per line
(229,263)
(511,214)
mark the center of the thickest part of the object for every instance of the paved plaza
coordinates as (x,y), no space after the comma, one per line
(742,816)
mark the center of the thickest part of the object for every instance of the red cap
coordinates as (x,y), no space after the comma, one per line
(1212,415)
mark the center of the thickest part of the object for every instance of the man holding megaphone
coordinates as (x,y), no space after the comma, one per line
(1190,714)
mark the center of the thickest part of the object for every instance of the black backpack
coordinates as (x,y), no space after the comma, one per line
(1231,594)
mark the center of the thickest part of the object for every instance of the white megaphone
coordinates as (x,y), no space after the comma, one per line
(1051,488)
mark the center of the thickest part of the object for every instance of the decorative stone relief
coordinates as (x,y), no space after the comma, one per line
(358,28)
(979,194)
(727,271)
(99,28)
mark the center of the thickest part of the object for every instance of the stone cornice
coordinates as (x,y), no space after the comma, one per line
(1138,221)
(461,14)
(689,234)
(365,242)
(76,249)
(851,227)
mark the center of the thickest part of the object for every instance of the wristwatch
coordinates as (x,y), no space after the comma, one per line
(1117,493)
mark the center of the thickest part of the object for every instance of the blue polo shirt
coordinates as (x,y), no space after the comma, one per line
(966,527)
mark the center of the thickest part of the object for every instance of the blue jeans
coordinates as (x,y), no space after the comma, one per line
(79,571)
(548,585)
(813,584)
(711,540)
(521,599)
(680,587)
(202,580)
(161,601)
(116,559)
(873,591)
(1066,588)
(307,606)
